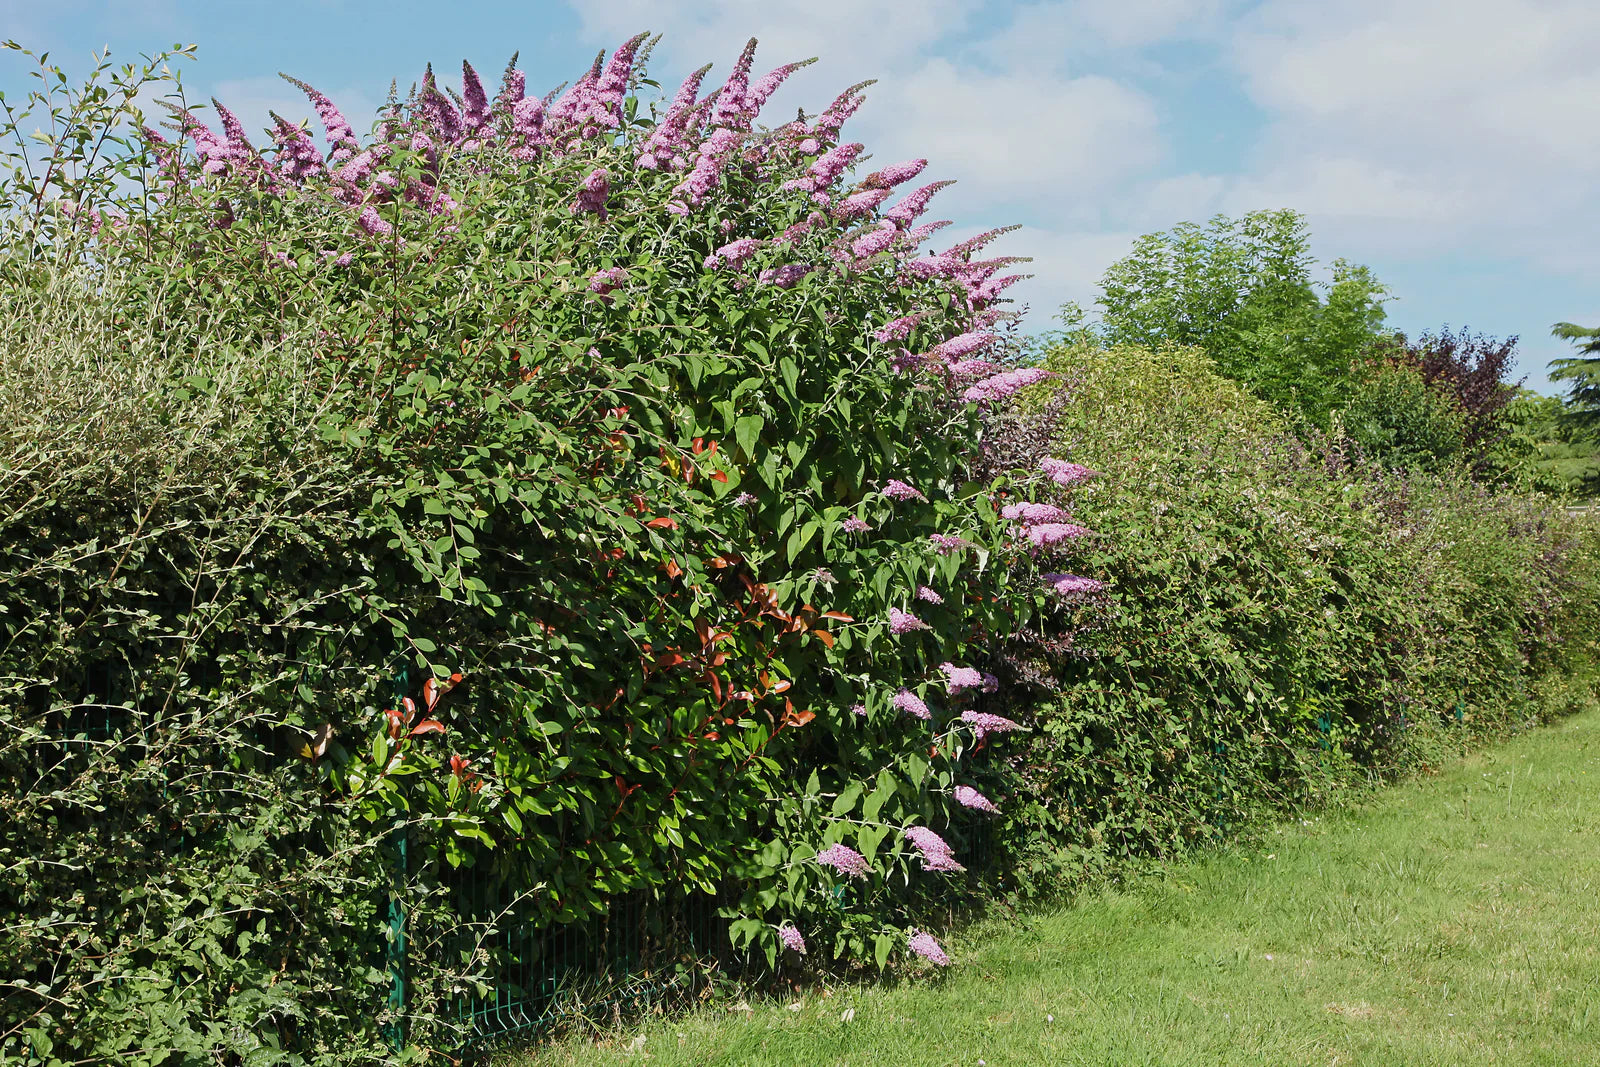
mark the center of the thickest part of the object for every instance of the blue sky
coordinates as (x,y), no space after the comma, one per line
(1452,146)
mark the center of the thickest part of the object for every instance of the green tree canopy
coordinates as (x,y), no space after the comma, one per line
(1582,372)
(1241,290)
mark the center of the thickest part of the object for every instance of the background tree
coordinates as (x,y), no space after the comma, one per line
(1435,401)
(1582,372)
(1242,291)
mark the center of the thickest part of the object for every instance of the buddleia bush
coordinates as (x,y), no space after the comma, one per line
(583,491)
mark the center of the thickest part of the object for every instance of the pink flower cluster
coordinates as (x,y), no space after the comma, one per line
(605,281)
(1046,534)
(895,489)
(936,853)
(790,936)
(924,593)
(922,944)
(1003,385)
(1033,514)
(961,679)
(1064,473)
(945,544)
(733,253)
(903,622)
(845,860)
(897,329)
(1072,585)
(854,525)
(911,704)
(593,193)
(969,797)
(984,723)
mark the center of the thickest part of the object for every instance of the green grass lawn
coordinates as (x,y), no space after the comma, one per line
(1449,921)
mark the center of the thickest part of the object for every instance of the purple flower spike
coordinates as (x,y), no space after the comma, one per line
(923,944)
(899,174)
(963,345)
(1033,514)
(859,204)
(604,281)
(786,276)
(592,196)
(936,853)
(870,244)
(859,710)
(1072,585)
(791,939)
(845,860)
(1063,473)
(911,704)
(733,253)
(969,797)
(762,91)
(895,489)
(924,593)
(297,157)
(945,544)
(903,622)
(913,205)
(341,137)
(898,329)
(960,679)
(854,525)
(1053,533)
(1003,385)
(985,723)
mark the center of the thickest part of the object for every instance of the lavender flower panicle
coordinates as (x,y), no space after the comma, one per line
(907,701)
(960,679)
(913,204)
(1046,534)
(936,852)
(1033,514)
(733,253)
(985,723)
(1064,473)
(923,944)
(969,797)
(791,939)
(891,176)
(903,622)
(854,525)
(1003,385)
(945,544)
(1073,585)
(897,329)
(895,489)
(924,593)
(845,860)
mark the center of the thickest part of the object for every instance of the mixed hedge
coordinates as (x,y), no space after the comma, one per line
(604,497)
(1278,618)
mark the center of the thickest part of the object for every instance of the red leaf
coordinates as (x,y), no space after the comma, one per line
(427,726)
(663,524)
(719,476)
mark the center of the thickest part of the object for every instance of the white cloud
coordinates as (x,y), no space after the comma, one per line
(1465,125)
(1025,140)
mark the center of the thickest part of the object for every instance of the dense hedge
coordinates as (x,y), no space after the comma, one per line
(605,498)
(1277,619)
(573,491)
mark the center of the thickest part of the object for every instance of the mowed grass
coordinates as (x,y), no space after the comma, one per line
(1450,921)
